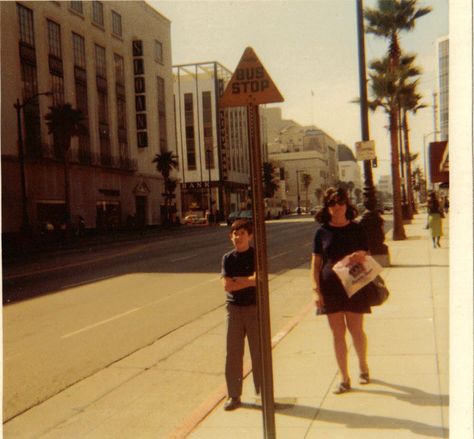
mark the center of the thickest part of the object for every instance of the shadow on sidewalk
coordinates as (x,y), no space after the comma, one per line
(417,265)
(355,420)
(411,394)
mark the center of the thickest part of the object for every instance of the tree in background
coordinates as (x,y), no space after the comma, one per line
(165,163)
(270,183)
(306,179)
(318,193)
(63,123)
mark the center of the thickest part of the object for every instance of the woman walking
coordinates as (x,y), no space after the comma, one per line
(338,237)
(435,214)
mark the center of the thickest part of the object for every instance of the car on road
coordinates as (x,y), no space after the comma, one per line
(194,219)
(238,214)
(388,207)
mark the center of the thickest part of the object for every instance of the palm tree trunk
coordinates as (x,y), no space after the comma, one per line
(398,229)
(410,196)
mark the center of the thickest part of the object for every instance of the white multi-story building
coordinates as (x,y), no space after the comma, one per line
(306,150)
(349,169)
(443,84)
(112,61)
(212,142)
(385,184)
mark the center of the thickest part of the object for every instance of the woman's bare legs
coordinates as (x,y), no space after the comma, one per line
(338,327)
(355,324)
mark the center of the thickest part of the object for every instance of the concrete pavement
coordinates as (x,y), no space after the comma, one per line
(408,358)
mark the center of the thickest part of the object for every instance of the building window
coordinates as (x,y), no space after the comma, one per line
(189,130)
(54,39)
(121,110)
(79,51)
(116,23)
(25,18)
(158,51)
(100,66)
(80,82)
(119,69)
(29,78)
(163,135)
(98,13)
(55,62)
(76,6)
(207,128)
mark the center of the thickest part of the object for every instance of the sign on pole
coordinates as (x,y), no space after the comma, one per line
(365,150)
(251,86)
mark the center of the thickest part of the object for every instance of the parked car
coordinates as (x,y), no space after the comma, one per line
(232,217)
(245,214)
(388,206)
(194,219)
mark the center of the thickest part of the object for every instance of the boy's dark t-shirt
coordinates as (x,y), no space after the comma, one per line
(235,264)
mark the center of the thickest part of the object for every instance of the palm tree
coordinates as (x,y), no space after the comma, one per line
(387,21)
(318,193)
(391,17)
(306,179)
(270,184)
(410,103)
(64,122)
(407,100)
(386,87)
(165,163)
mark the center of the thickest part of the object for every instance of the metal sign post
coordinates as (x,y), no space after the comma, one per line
(250,86)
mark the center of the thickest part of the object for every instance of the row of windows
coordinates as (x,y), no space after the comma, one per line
(98,15)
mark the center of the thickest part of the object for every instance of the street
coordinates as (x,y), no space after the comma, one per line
(90,315)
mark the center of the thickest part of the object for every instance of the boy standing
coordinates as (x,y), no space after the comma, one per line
(238,277)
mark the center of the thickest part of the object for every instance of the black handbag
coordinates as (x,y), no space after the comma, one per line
(375,292)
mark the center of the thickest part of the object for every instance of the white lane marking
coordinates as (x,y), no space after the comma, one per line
(118,316)
(86,328)
(183,258)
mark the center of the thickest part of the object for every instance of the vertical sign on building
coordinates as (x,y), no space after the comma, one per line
(140,90)
(222,132)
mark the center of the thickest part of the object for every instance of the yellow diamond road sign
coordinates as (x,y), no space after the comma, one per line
(250,84)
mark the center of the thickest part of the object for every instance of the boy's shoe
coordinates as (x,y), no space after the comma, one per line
(232,404)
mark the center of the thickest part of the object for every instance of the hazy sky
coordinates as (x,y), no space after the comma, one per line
(308,46)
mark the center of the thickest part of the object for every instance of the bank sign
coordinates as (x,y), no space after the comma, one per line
(250,84)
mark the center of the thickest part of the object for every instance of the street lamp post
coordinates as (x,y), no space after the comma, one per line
(298,172)
(208,157)
(425,136)
(25,223)
(371,221)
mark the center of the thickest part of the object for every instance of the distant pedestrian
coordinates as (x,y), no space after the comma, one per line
(435,215)
(238,276)
(338,237)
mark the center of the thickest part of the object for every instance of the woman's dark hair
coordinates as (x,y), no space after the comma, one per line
(323,216)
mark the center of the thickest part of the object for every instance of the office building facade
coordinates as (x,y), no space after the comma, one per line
(110,60)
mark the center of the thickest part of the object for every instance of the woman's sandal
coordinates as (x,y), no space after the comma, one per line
(364,378)
(342,388)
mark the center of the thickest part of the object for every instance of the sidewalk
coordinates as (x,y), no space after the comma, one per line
(408,358)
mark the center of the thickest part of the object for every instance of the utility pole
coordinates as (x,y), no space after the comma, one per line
(371,220)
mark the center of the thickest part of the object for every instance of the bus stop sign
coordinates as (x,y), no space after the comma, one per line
(250,84)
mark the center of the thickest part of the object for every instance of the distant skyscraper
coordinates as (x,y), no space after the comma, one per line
(443,77)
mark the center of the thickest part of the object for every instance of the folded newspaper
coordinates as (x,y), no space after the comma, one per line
(356,275)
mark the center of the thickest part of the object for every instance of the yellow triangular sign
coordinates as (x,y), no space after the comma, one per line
(250,84)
